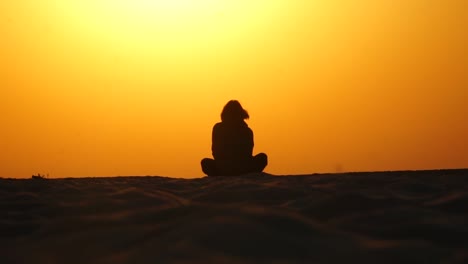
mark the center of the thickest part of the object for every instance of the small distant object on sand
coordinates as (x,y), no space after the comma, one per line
(39,177)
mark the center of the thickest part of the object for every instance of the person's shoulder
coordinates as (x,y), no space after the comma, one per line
(246,129)
(218,125)
(246,126)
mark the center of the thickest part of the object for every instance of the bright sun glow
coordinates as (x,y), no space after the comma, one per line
(170,24)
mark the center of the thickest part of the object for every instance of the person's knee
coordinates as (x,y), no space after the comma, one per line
(205,162)
(262,158)
(260,162)
(209,167)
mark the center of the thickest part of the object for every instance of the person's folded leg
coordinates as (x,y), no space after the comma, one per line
(259,162)
(209,167)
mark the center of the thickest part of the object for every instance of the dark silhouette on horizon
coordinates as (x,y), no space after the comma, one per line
(232,145)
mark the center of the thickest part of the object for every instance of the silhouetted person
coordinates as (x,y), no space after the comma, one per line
(232,145)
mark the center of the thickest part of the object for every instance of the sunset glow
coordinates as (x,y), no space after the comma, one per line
(133,87)
(169,26)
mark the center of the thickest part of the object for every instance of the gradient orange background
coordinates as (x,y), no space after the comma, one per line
(133,87)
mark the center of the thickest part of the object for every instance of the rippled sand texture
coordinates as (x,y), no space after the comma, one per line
(389,217)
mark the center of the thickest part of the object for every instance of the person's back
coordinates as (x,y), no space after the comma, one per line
(232,145)
(232,141)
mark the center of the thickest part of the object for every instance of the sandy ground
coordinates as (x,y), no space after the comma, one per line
(389,217)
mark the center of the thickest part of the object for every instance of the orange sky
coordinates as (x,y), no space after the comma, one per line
(133,87)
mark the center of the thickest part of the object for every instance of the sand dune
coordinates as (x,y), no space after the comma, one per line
(388,217)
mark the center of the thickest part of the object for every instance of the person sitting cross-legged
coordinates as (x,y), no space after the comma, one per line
(232,145)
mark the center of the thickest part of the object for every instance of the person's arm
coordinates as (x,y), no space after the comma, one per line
(215,142)
(250,142)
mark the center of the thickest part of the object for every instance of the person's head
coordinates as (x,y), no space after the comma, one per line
(233,112)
